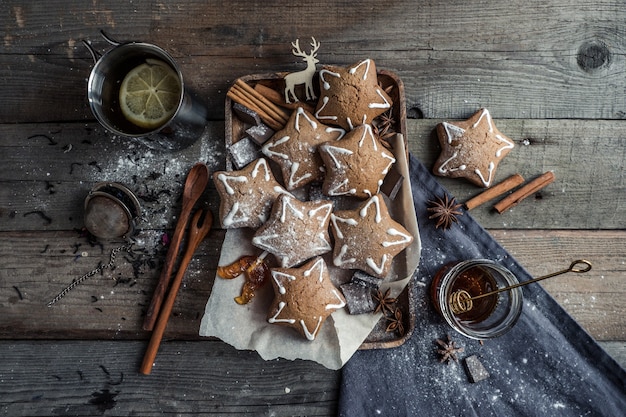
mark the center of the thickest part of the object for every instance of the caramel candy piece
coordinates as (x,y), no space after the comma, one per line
(255,270)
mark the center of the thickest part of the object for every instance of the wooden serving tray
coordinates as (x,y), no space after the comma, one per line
(235,129)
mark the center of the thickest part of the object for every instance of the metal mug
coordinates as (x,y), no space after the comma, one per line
(181,130)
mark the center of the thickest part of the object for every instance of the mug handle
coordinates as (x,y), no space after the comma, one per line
(95,54)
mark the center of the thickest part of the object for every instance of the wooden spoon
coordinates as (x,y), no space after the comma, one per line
(197,232)
(196,182)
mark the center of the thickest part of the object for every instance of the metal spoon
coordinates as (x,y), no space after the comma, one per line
(196,182)
(461,301)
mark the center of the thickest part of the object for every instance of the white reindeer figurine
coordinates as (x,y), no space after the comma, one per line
(306,75)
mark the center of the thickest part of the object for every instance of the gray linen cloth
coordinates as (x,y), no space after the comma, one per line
(547,365)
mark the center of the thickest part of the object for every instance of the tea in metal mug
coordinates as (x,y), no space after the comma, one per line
(181,130)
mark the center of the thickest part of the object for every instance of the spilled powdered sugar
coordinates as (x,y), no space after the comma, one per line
(156,177)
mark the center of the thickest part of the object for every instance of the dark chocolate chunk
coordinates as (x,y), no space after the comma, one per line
(358,298)
(366,280)
(392,184)
(260,133)
(246,115)
(475,369)
(243,152)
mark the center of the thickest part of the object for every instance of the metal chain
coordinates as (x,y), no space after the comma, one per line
(99,269)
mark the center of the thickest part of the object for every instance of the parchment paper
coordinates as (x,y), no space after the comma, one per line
(246,327)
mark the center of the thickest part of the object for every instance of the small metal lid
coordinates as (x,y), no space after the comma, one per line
(111,210)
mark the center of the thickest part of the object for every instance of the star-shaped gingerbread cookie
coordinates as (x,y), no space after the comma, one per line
(471,149)
(296,230)
(247,195)
(367,238)
(294,148)
(351,96)
(304,297)
(355,165)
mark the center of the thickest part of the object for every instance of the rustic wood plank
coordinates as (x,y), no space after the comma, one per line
(41,174)
(556,59)
(51,168)
(581,294)
(617,350)
(36,266)
(545,69)
(37,378)
(189,378)
(588,159)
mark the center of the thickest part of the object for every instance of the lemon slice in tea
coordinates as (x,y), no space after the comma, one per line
(149,94)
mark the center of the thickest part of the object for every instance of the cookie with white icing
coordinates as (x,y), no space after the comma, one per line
(304,297)
(355,165)
(296,230)
(247,195)
(471,149)
(367,238)
(350,96)
(294,148)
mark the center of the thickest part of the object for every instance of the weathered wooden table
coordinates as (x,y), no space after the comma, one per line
(551,72)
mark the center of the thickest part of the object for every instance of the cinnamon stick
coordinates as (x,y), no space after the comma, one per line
(238,97)
(263,102)
(248,101)
(277,98)
(495,191)
(528,189)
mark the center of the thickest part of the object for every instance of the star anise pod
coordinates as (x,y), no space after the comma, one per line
(383,126)
(385,302)
(395,322)
(445,211)
(448,350)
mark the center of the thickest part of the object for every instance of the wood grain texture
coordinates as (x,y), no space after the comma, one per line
(56,378)
(37,266)
(41,208)
(588,158)
(551,73)
(72,158)
(109,305)
(537,59)
(50,378)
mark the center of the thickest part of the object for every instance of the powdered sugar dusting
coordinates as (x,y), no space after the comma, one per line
(156,177)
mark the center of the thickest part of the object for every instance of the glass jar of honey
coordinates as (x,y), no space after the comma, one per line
(458,289)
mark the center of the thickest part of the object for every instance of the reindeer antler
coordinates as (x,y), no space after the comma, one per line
(297,51)
(315,45)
